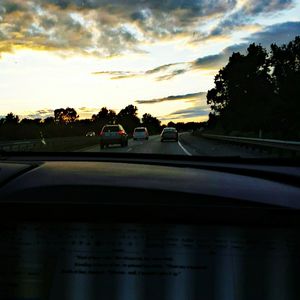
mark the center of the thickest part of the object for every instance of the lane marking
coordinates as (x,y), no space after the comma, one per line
(129,150)
(185,151)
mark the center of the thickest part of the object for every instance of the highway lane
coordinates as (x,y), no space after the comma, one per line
(187,145)
(153,145)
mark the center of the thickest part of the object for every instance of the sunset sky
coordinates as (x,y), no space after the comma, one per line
(160,55)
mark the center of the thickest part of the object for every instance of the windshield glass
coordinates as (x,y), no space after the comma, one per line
(111,129)
(225,74)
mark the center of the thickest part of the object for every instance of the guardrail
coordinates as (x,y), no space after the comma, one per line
(49,144)
(282,145)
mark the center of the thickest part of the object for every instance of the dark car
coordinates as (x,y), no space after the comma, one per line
(113,134)
(168,134)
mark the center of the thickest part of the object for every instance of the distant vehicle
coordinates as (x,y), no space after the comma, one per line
(140,133)
(113,134)
(91,133)
(169,133)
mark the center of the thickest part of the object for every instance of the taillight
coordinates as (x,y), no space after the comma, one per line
(121,132)
(100,133)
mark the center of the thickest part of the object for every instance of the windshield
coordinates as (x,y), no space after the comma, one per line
(139,130)
(111,129)
(224,74)
(170,129)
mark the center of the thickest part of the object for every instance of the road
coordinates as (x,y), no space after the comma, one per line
(187,145)
(153,145)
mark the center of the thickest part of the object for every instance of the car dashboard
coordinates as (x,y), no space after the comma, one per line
(124,228)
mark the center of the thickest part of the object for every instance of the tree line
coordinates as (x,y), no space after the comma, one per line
(66,122)
(258,92)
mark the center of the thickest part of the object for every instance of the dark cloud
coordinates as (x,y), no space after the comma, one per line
(161,68)
(244,17)
(278,33)
(217,60)
(191,112)
(171,75)
(113,27)
(255,7)
(166,69)
(172,98)
(100,27)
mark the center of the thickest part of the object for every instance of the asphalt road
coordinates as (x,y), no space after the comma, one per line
(153,145)
(187,145)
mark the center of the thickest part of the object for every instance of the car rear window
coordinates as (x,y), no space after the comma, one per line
(170,129)
(111,129)
(139,130)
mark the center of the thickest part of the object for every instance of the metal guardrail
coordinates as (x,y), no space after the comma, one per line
(47,144)
(256,142)
(11,146)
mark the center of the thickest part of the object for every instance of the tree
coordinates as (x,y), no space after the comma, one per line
(9,127)
(244,91)
(171,124)
(49,121)
(285,61)
(152,123)
(27,121)
(105,116)
(65,116)
(128,118)
(11,119)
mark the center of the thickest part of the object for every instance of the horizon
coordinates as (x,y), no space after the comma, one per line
(160,58)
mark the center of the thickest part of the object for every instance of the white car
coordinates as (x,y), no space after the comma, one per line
(140,133)
(91,133)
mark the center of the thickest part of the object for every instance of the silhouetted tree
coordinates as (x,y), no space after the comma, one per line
(104,116)
(49,120)
(65,115)
(285,61)
(128,118)
(171,124)
(244,92)
(152,123)
(11,119)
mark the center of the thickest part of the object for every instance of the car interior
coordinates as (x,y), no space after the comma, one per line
(132,227)
(149,150)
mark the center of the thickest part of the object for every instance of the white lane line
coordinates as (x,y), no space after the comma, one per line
(185,151)
(129,150)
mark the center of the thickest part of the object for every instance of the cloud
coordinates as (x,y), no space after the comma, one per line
(185,97)
(100,27)
(278,33)
(113,27)
(171,74)
(38,114)
(191,112)
(86,109)
(115,75)
(243,17)
(48,112)
(166,70)
(217,60)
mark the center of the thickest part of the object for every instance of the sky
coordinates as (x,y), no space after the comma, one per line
(160,55)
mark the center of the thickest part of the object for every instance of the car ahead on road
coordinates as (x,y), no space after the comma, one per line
(90,133)
(168,134)
(140,133)
(112,135)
